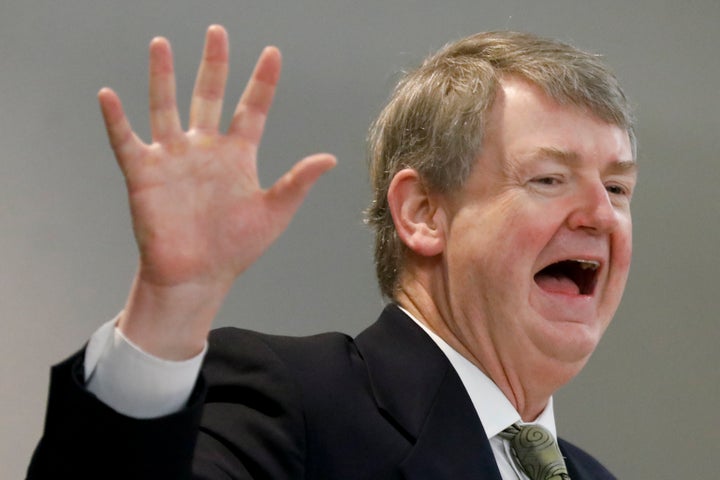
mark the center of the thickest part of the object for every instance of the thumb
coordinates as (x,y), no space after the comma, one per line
(289,191)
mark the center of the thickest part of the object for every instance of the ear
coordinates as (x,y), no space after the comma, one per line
(417,216)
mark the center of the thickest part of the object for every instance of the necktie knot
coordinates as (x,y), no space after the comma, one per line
(536,451)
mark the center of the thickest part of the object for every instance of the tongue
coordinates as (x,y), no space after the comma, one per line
(559,284)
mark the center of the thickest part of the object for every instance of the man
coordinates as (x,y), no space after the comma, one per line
(503,170)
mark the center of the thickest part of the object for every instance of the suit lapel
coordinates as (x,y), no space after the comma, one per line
(418,390)
(575,469)
(582,466)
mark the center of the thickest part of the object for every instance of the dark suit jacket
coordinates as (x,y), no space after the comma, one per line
(386,405)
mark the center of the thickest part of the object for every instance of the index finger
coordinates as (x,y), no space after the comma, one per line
(251,112)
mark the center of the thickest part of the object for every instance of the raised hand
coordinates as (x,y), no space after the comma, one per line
(199,214)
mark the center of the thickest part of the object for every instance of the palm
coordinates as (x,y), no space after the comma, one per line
(199,213)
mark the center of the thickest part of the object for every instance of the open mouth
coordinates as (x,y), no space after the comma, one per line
(569,277)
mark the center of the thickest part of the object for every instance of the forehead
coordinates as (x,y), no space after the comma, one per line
(525,123)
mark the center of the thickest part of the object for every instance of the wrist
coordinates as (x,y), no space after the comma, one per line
(171,322)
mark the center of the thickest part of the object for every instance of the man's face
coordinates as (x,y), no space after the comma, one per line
(539,238)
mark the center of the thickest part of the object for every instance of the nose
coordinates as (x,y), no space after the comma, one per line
(594,210)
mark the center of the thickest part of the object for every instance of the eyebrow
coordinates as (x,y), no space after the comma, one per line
(572,159)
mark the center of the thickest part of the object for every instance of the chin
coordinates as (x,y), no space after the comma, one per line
(571,343)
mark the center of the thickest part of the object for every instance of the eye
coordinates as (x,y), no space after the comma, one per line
(548,183)
(547,180)
(616,189)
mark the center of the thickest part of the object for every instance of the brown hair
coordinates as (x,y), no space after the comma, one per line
(435,119)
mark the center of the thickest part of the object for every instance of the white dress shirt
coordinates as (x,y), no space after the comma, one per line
(133,382)
(140,385)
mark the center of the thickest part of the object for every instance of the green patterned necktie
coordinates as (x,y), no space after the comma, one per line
(537,452)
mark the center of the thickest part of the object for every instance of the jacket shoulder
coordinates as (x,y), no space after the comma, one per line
(230,348)
(268,394)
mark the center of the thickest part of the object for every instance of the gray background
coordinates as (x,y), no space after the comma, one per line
(646,404)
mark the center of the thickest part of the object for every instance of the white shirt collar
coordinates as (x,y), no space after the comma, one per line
(493,407)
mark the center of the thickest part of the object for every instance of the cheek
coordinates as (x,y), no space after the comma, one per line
(523,235)
(529,233)
(625,243)
(621,257)
(504,243)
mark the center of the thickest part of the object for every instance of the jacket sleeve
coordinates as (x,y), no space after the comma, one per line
(243,421)
(84,438)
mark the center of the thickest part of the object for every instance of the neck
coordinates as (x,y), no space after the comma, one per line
(528,385)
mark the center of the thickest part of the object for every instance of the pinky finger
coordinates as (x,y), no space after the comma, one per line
(125,144)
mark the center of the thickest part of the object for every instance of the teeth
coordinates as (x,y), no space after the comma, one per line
(588,264)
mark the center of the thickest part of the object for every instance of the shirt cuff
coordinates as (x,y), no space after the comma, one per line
(133,382)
